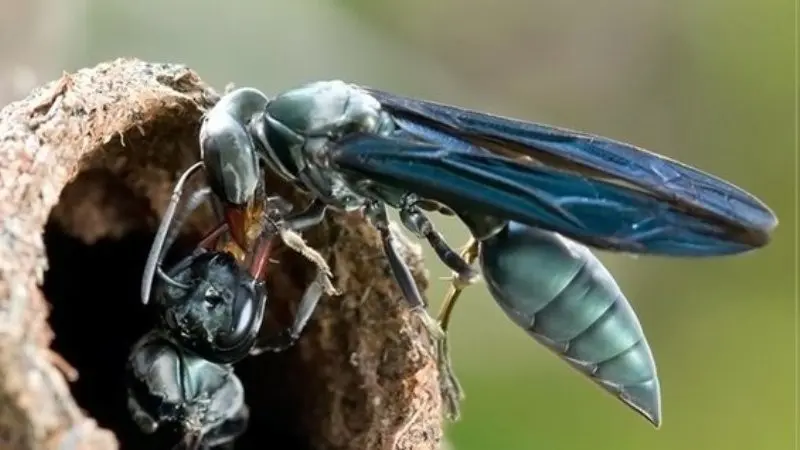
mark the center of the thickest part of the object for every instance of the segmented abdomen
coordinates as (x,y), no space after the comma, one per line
(563,296)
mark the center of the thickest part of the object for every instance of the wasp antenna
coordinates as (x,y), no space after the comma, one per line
(157,249)
(169,280)
(192,204)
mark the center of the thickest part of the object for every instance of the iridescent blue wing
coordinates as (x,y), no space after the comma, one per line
(586,156)
(594,211)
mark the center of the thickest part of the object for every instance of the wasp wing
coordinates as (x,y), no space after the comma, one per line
(593,211)
(588,156)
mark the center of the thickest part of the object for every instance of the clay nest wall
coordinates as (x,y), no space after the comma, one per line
(87,165)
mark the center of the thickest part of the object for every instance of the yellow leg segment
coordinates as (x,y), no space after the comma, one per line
(452,394)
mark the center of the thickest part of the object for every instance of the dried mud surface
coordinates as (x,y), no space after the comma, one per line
(96,153)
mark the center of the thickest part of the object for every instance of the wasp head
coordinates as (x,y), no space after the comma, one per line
(231,165)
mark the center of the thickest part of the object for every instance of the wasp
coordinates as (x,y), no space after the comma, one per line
(534,197)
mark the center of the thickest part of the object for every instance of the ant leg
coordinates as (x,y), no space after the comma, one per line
(224,435)
(157,250)
(210,240)
(143,420)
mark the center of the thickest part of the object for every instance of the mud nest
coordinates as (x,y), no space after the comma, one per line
(87,165)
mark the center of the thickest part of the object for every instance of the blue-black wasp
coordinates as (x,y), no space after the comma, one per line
(532,196)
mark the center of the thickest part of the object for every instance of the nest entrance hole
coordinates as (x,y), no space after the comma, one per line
(97,240)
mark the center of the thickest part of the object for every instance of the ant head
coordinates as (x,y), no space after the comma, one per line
(218,311)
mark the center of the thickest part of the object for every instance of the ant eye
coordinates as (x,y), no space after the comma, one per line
(213,301)
(213,298)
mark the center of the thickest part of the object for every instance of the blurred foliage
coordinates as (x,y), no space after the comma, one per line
(707,81)
(722,330)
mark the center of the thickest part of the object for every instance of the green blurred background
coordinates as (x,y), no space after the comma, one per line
(709,82)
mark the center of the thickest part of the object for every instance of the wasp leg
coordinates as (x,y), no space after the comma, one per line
(469,254)
(278,221)
(415,221)
(287,227)
(321,285)
(295,242)
(288,336)
(376,212)
(307,218)
(448,384)
(465,275)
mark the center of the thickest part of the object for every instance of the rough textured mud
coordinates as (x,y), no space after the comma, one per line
(96,152)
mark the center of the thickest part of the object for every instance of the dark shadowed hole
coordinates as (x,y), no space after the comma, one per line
(97,316)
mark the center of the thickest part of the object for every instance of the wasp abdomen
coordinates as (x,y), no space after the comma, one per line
(561,294)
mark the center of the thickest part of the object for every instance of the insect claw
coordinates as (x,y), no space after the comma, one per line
(461,283)
(450,388)
(431,325)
